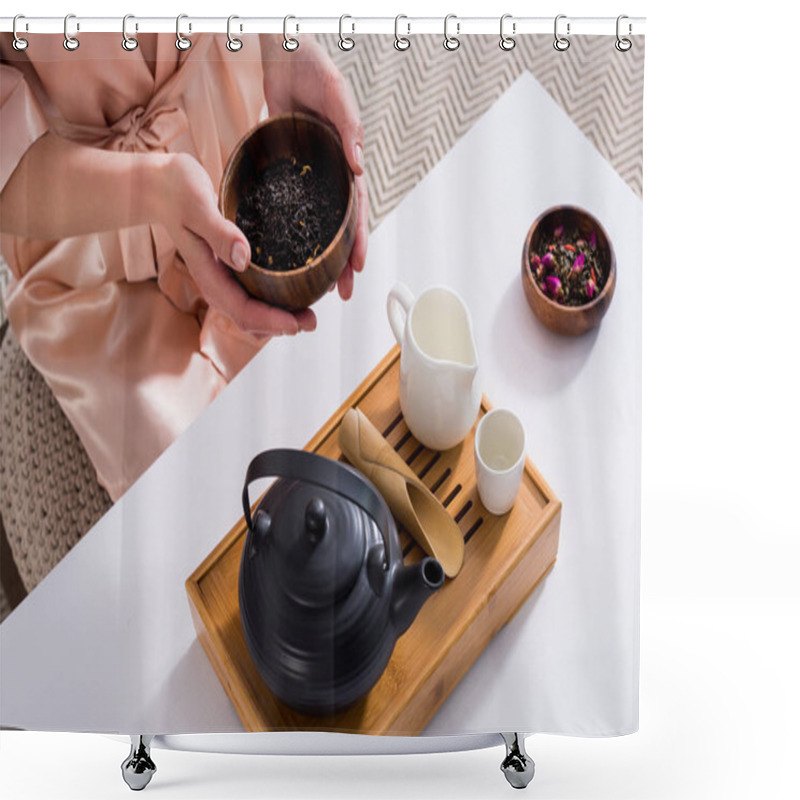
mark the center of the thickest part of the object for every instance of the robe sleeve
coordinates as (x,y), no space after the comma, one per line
(22,120)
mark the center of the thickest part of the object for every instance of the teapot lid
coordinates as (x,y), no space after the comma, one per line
(312,529)
(319,541)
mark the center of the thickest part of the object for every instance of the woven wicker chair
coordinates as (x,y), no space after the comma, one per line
(49,494)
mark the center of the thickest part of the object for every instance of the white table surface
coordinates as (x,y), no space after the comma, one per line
(106,641)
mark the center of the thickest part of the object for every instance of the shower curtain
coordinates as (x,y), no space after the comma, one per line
(142,373)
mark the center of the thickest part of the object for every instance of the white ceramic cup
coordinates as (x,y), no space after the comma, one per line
(499,459)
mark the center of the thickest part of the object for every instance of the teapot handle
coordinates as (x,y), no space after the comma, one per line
(401,296)
(340,478)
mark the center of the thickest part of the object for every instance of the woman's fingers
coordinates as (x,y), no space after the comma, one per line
(222,291)
(229,244)
(208,242)
(307,319)
(358,255)
(345,283)
(339,106)
(197,210)
(317,85)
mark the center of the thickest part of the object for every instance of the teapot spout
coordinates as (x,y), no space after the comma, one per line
(412,586)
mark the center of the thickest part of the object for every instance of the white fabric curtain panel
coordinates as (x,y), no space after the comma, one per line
(321,365)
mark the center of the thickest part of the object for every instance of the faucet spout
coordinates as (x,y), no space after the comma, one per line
(412,586)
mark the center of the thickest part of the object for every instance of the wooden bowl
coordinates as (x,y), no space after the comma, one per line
(567,320)
(313,142)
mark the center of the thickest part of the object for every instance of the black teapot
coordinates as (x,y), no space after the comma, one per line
(323,592)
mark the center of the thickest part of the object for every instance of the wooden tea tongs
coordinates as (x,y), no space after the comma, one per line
(412,503)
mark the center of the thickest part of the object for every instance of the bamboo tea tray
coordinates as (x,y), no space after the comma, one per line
(505,558)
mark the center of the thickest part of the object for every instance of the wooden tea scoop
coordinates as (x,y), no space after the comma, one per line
(417,509)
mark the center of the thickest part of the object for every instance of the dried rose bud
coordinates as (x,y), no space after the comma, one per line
(547,261)
(591,288)
(593,239)
(577,264)
(581,243)
(553,285)
(535,260)
(558,232)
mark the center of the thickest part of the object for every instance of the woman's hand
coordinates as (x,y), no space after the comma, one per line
(185,202)
(307,80)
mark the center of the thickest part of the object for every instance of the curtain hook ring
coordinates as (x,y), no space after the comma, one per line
(181,42)
(346,42)
(290,44)
(451,43)
(507,42)
(19,44)
(70,42)
(623,45)
(129,43)
(401,42)
(561,43)
(233,44)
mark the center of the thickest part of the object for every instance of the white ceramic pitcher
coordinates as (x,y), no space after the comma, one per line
(439,389)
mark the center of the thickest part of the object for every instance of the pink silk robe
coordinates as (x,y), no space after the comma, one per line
(112,320)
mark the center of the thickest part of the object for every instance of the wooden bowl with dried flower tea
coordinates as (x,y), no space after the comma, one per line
(289,188)
(568,270)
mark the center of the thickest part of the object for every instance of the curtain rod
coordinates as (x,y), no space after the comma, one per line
(460,26)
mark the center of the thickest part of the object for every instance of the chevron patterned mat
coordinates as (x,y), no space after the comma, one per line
(415,105)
